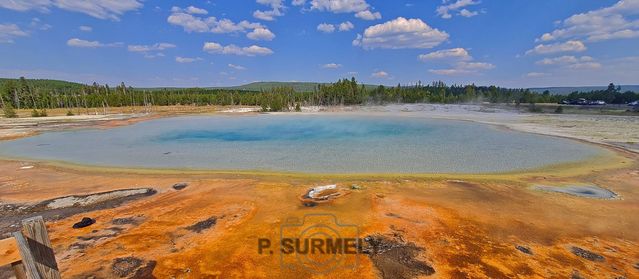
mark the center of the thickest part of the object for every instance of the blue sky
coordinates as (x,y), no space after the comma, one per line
(230,42)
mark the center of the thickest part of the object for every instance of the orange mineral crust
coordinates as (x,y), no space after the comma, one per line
(497,227)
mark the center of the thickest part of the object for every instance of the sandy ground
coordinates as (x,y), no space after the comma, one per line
(464,226)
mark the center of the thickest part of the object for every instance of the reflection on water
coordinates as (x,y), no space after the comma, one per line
(310,143)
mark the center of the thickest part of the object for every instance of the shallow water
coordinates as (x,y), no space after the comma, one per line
(305,143)
(585,191)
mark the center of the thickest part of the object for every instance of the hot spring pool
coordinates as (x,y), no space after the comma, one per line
(304,143)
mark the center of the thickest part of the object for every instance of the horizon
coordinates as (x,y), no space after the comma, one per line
(229,43)
(322,82)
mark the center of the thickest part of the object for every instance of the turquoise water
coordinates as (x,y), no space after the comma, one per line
(304,143)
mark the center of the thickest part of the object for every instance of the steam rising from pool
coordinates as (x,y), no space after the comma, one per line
(305,143)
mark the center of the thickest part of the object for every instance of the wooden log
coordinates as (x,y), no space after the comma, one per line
(9,251)
(18,270)
(27,258)
(35,232)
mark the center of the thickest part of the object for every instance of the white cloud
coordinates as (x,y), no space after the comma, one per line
(453,53)
(189,10)
(368,15)
(276,10)
(101,9)
(26,5)
(195,10)
(467,13)
(471,66)
(237,67)
(180,59)
(361,9)
(585,66)
(331,66)
(147,48)
(85,28)
(464,68)
(228,26)
(253,50)
(459,59)
(75,42)
(615,22)
(536,74)
(340,6)
(447,72)
(298,2)
(345,26)
(330,28)
(326,28)
(36,23)
(401,33)
(380,74)
(10,31)
(571,62)
(192,23)
(189,22)
(569,46)
(267,15)
(444,11)
(261,34)
(621,34)
(564,60)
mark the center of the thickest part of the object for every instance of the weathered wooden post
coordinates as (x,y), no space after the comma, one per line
(29,252)
(10,255)
(35,233)
(26,267)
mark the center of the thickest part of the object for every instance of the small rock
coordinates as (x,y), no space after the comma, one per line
(636,266)
(124,221)
(86,221)
(146,271)
(310,204)
(576,275)
(524,249)
(202,225)
(356,187)
(587,254)
(126,266)
(313,192)
(180,186)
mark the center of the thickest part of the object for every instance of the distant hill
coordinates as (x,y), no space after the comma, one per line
(50,84)
(61,85)
(568,90)
(297,86)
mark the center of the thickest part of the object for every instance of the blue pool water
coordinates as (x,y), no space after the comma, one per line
(304,143)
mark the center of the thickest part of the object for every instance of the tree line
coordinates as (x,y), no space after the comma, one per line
(40,96)
(611,95)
